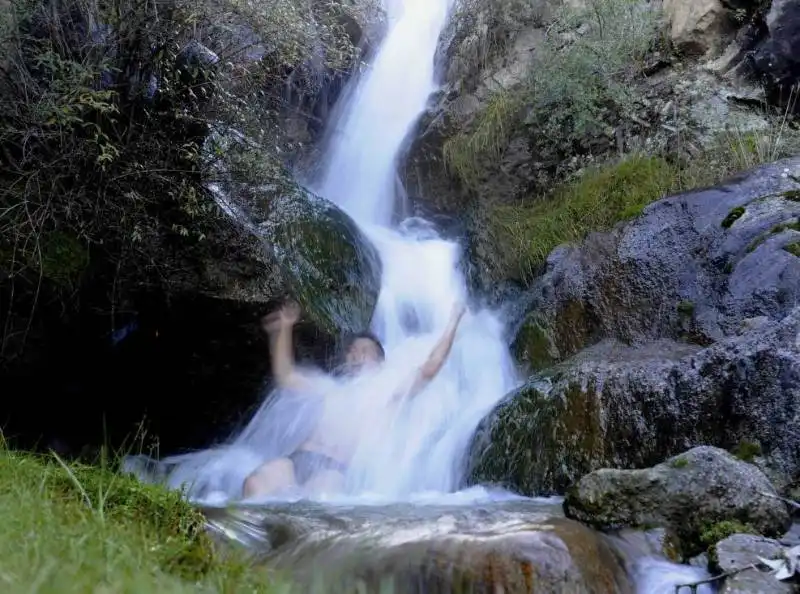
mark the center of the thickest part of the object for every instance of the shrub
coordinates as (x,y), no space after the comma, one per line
(106,110)
(578,87)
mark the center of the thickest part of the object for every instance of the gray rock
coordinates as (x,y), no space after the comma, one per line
(739,551)
(623,406)
(688,494)
(310,249)
(700,561)
(692,268)
(331,267)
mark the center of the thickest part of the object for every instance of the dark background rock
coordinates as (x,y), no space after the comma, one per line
(777,59)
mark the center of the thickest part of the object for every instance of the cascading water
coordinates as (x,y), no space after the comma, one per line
(414,454)
(421,278)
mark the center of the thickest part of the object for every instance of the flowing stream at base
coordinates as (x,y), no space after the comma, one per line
(411,460)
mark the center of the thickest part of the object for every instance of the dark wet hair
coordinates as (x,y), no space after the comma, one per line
(350,339)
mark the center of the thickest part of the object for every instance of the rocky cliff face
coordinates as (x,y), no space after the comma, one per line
(522,108)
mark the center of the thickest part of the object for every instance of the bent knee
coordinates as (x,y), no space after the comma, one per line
(268,476)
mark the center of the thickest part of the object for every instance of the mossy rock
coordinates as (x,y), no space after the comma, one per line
(539,444)
(534,345)
(734,215)
(330,266)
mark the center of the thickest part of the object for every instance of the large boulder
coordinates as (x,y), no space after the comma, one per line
(313,251)
(517,546)
(676,329)
(688,494)
(696,26)
(631,406)
(692,267)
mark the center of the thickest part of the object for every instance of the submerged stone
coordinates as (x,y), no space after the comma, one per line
(518,546)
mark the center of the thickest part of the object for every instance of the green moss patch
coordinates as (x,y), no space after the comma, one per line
(679,463)
(747,451)
(602,197)
(793,248)
(733,216)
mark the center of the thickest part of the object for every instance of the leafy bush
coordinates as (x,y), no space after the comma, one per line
(105,113)
(578,87)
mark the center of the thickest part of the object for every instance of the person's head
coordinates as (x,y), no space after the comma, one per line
(363,349)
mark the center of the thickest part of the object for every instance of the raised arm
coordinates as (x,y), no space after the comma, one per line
(279,326)
(437,357)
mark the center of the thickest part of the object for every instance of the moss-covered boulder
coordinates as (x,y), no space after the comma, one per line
(620,406)
(691,268)
(689,494)
(325,262)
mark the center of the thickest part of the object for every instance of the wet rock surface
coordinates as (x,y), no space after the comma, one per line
(512,547)
(629,406)
(676,329)
(688,494)
(738,553)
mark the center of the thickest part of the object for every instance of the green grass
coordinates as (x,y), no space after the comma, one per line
(78,529)
(617,191)
(602,197)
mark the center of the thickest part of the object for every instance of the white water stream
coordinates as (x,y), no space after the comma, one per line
(415,453)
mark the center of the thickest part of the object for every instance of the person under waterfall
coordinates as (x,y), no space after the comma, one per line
(319,464)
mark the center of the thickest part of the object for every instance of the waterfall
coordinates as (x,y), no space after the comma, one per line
(421,275)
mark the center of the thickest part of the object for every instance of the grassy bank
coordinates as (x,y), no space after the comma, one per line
(77,529)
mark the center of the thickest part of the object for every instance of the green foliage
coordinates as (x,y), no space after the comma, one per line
(467,153)
(103,127)
(711,534)
(734,215)
(679,462)
(686,308)
(74,529)
(578,86)
(793,248)
(747,451)
(596,201)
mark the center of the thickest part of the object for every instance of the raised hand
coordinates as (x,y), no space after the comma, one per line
(459,309)
(285,317)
